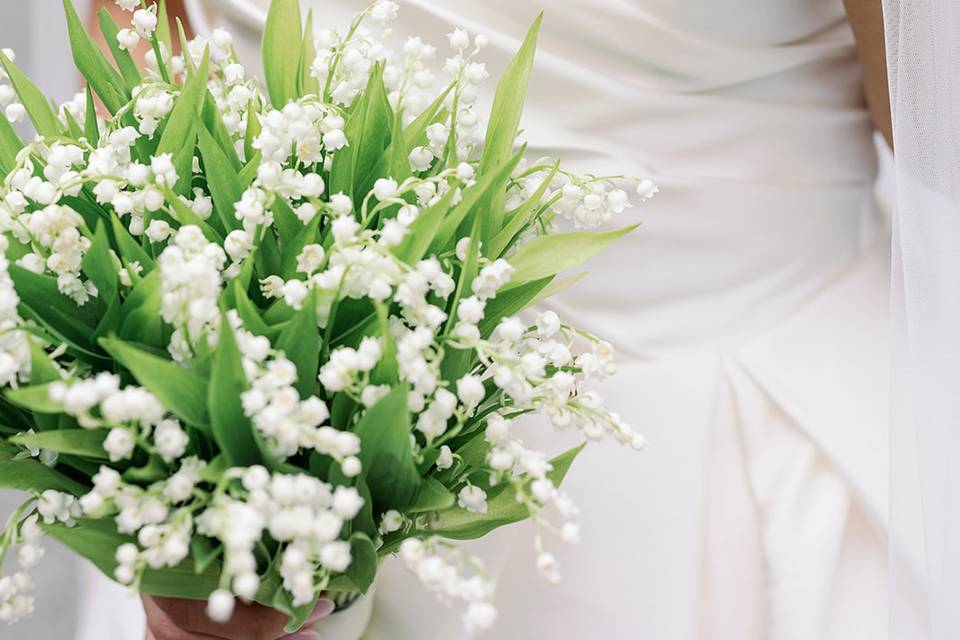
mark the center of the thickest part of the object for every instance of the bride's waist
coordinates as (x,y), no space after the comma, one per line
(708,137)
(718,262)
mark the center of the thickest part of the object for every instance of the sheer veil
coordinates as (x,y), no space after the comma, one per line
(923,50)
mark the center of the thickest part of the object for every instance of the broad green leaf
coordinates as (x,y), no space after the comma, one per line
(548,255)
(250,314)
(432,496)
(106,82)
(558,285)
(308,85)
(142,321)
(249,171)
(363,563)
(424,230)
(471,202)
(368,134)
(40,112)
(180,391)
(204,551)
(505,115)
(128,68)
(91,128)
(79,442)
(308,234)
(520,218)
(389,469)
(29,474)
(222,179)
(53,309)
(42,369)
(287,223)
(509,302)
(502,506)
(10,145)
(300,342)
(183,214)
(415,133)
(231,429)
(282,41)
(36,398)
(213,121)
(163,26)
(98,265)
(97,541)
(129,249)
(179,133)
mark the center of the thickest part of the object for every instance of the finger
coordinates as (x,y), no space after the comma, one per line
(324,608)
(249,621)
(161,627)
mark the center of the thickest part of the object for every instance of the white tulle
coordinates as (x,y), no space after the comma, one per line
(924,69)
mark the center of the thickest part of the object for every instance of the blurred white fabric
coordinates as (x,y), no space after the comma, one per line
(923,52)
(750,313)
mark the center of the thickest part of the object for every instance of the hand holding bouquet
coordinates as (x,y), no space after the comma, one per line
(252,343)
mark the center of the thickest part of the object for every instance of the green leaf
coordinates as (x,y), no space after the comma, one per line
(222,179)
(363,564)
(432,496)
(213,121)
(91,128)
(185,215)
(232,430)
(129,249)
(10,145)
(97,541)
(98,264)
(142,321)
(163,26)
(505,115)
(389,468)
(308,85)
(502,506)
(470,203)
(36,398)
(520,218)
(291,250)
(79,442)
(558,285)
(300,342)
(251,133)
(104,79)
(180,391)
(548,255)
(128,68)
(53,309)
(204,551)
(509,302)
(368,134)
(282,41)
(179,133)
(40,112)
(29,474)
(287,223)
(424,230)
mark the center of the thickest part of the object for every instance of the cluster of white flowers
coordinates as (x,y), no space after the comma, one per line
(15,599)
(287,423)
(13,109)
(452,575)
(151,103)
(303,513)
(191,279)
(142,25)
(131,413)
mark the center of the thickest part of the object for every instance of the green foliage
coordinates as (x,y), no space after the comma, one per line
(282,41)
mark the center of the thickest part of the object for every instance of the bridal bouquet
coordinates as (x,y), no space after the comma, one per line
(253,342)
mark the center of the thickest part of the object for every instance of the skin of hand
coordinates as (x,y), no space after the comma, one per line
(866,18)
(178,619)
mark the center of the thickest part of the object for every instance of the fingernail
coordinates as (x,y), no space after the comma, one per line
(325,607)
(303,635)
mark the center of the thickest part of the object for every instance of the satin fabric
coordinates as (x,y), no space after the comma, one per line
(749,312)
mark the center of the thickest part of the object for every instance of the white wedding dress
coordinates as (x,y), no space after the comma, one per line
(749,312)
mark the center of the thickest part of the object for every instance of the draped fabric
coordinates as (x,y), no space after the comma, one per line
(923,51)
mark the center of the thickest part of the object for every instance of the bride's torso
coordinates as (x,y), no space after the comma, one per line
(749,113)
